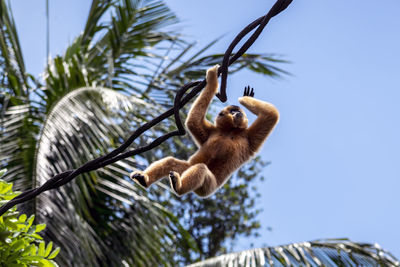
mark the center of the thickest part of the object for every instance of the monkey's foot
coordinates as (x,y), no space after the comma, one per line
(174,179)
(140,178)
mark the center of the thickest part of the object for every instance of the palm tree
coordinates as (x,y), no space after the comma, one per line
(334,252)
(118,74)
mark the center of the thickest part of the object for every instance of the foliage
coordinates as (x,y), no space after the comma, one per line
(20,243)
(67,118)
(334,252)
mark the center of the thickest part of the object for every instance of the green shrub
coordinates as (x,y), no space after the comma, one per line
(20,244)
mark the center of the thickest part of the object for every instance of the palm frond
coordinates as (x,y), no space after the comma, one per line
(333,252)
(114,52)
(102,207)
(18,124)
(12,68)
(93,25)
(180,66)
(12,132)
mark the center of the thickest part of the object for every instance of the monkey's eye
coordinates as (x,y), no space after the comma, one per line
(221,114)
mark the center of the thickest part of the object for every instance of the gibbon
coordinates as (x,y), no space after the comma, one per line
(223,146)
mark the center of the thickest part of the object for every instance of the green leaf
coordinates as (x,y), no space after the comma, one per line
(47,263)
(5,188)
(11,224)
(31,230)
(4,234)
(16,265)
(9,196)
(19,244)
(41,250)
(2,172)
(48,248)
(36,236)
(32,259)
(54,253)
(30,221)
(22,218)
(30,250)
(40,227)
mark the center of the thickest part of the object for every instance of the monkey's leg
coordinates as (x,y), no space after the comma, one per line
(158,170)
(197,178)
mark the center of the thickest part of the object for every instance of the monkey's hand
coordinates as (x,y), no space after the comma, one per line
(212,78)
(248,91)
(248,99)
(140,177)
(259,107)
(267,118)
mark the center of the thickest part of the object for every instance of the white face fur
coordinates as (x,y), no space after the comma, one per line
(232,117)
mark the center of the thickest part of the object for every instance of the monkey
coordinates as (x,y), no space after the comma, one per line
(222,147)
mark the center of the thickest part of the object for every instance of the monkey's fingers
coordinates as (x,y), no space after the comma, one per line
(246,91)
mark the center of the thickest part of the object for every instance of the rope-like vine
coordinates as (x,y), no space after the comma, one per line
(180,100)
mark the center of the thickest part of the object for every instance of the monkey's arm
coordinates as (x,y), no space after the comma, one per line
(267,118)
(196,122)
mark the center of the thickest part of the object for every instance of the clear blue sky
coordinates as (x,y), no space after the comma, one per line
(335,154)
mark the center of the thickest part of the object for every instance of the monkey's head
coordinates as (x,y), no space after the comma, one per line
(231,117)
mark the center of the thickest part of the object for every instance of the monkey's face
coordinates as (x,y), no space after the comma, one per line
(231,117)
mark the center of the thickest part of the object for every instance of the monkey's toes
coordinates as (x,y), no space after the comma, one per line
(139,178)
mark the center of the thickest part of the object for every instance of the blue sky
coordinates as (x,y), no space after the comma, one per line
(335,168)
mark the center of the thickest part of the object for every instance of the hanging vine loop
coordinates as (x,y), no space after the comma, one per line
(228,59)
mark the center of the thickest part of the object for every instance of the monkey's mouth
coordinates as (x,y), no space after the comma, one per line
(238,119)
(238,115)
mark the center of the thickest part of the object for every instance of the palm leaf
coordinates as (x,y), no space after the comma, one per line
(112,53)
(102,207)
(11,154)
(18,124)
(334,252)
(12,68)
(179,67)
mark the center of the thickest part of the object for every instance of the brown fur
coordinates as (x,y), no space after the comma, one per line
(223,146)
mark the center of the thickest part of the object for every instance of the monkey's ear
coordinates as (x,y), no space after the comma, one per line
(248,91)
